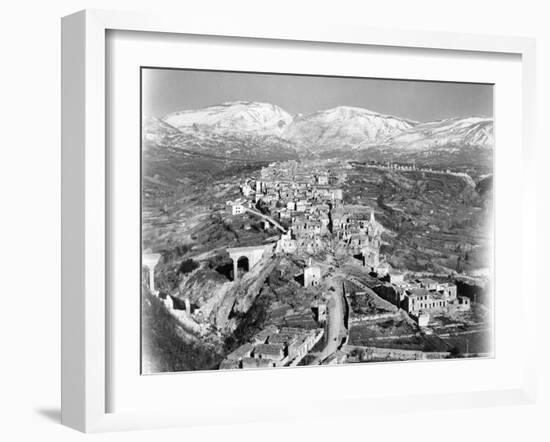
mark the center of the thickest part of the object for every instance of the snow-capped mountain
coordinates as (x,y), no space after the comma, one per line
(344,127)
(455,142)
(245,129)
(235,117)
(231,134)
(450,133)
(157,130)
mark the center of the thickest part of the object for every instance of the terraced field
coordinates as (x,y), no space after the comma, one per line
(436,223)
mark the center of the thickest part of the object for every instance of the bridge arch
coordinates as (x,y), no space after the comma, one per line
(242,263)
(247,257)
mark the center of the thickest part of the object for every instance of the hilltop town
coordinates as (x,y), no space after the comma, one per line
(319,270)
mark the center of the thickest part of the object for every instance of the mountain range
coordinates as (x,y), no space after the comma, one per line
(256,130)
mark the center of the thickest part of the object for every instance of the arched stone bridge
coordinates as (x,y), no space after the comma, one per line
(253,254)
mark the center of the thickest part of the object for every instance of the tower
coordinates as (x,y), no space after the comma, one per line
(371,251)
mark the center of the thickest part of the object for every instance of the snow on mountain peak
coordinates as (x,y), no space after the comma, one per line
(236,116)
(348,112)
(341,127)
(469,131)
(344,125)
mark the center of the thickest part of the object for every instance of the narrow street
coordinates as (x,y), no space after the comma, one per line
(267,218)
(336,328)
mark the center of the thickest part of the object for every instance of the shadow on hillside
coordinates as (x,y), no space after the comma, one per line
(226,270)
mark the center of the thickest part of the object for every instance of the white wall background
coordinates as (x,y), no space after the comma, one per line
(30,220)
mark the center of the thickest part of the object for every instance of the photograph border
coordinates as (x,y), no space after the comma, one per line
(85,199)
(141,128)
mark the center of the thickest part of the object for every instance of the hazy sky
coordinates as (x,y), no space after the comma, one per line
(169,90)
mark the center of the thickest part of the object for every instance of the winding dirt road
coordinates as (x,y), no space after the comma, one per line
(267,218)
(336,328)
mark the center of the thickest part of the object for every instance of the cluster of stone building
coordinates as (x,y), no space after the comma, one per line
(361,236)
(273,347)
(422,297)
(306,196)
(301,194)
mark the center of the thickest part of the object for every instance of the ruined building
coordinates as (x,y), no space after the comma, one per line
(371,245)
(312,275)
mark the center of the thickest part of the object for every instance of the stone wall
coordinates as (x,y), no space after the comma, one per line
(375,317)
(394,354)
(390,293)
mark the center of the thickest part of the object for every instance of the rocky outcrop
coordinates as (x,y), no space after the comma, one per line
(242,293)
(220,301)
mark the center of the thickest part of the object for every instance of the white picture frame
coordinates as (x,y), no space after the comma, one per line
(85,201)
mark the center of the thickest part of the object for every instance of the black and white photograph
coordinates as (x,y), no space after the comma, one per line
(303,220)
(295,220)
